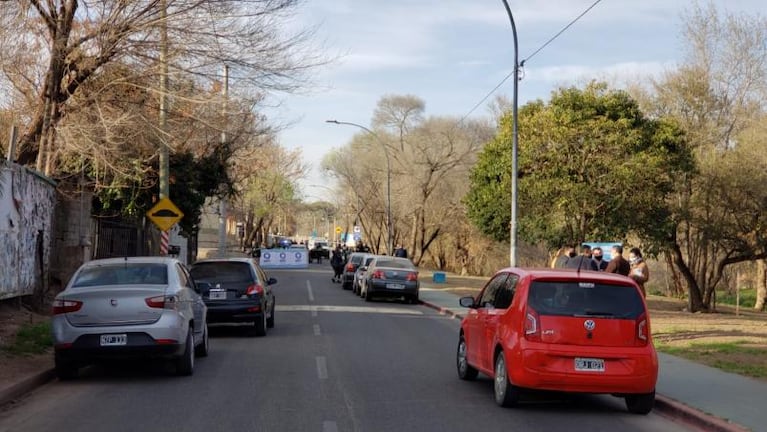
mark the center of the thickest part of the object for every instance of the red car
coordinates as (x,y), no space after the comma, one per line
(560,330)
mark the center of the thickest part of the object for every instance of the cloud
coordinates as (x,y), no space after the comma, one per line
(613,72)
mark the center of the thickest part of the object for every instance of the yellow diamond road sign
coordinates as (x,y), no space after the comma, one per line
(338,230)
(164,214)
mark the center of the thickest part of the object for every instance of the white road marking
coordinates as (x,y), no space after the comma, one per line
(309,288)
(322,367)
(316,329)
(354,309)
(329,426)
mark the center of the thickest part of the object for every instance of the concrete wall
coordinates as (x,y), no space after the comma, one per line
(27,205)
(72,236)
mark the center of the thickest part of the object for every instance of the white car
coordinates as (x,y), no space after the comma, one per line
(139,307)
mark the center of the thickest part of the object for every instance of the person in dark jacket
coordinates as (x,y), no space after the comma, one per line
(596,255)
(617,263)
(584,261)
(400,252)
(337,262)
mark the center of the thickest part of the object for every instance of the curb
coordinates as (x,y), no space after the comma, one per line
(664,405)
(26,385)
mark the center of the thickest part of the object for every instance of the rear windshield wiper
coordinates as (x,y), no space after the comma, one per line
(597,313)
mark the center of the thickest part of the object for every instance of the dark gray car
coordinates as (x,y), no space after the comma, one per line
(391,277)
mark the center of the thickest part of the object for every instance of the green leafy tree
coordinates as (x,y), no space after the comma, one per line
(591,167)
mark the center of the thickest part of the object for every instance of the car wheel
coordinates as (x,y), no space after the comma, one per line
(640,403)
(259,327)
(506,394)
(185,363)
(201,350)
(65,369)
(465,370)
(270,320)
(414,299)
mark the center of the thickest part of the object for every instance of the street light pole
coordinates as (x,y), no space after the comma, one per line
(514,146)
(390,237)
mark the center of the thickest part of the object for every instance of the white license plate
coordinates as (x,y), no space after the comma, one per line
(395,286)
(217,294)
(589,364)
(114,339)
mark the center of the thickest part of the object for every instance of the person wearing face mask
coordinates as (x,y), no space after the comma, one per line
(617,263)
(639,271)
(583,262)
(568,252)
(596,255)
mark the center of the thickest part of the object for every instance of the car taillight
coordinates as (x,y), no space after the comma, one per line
(412,276)
(350,267)
(255,289)
(532,328)
(65,306)
(378,274)
(162,302)
(642,330)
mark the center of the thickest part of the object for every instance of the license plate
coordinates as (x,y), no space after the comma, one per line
(114,339)
(395,286)
(217,294)
(589,364)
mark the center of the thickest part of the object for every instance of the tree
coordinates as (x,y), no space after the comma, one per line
(81,37)
(591,167)
(717,98)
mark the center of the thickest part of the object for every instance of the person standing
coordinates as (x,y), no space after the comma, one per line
(561,260)
(583,262)
(400,252)
(618,264)
(337,262)
(639,270)
(596,255)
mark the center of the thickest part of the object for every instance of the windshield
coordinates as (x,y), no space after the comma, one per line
(585,298)
(122,274)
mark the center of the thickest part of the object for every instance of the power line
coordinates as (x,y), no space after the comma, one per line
(522,63)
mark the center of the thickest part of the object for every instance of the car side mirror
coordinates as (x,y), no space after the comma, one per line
(467,302)
(271,281)
(364,268)
(203,286)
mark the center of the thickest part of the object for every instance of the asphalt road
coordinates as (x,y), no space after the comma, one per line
(332,363)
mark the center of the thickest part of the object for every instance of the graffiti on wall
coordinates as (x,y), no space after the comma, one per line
(27,203)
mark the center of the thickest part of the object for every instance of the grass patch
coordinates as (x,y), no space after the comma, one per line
(736,357)
(747,297)
(31,339)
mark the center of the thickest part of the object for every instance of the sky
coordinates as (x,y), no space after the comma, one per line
(452,53)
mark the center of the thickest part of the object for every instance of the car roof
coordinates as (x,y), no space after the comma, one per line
(230,259)
(560,274)
(140,260)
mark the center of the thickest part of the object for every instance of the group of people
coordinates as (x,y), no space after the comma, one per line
(340,255)
(592,260)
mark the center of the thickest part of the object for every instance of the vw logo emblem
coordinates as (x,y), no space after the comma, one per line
(589,325)
(113,302)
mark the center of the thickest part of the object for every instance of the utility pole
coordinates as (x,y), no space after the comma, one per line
(514,147)
(222,200)
(164,142)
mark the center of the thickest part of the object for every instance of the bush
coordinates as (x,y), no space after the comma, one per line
(747,297)
(31,339)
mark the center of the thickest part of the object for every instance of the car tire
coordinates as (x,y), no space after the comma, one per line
(65,369)
(414,299)
(270,320)
(259,327)
(185,363)
(465,370)
(640,403)
(506,394)
(201,350)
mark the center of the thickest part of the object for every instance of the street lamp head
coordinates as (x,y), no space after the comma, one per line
(332,121)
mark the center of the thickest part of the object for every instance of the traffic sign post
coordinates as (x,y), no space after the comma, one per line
(164,214)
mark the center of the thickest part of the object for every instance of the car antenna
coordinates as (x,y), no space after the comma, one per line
(580,263)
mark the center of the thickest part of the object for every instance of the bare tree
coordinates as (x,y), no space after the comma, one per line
(69,42)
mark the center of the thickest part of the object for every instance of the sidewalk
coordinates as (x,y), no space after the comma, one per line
(705,397)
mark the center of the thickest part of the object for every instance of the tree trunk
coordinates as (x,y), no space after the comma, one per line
(695,303)
(761,284)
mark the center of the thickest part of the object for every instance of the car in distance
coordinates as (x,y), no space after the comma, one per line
(359,275)
(138,307)
(388,276)
(560,330)
(350,268)
(236,290)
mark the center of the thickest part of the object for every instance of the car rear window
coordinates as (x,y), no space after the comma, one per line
(356,259)
(585,299)
(221,272)
(394,264)
(122,274)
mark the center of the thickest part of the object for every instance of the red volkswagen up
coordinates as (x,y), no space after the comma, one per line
(560,330)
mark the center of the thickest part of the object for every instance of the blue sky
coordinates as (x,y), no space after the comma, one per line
(451,53)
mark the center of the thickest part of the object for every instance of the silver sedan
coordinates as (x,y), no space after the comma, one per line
(138,307)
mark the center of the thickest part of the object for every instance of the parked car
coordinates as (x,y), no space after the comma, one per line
(388,276)
(129,307)
(582,332)
(236,290)
(359,275)
(354,261)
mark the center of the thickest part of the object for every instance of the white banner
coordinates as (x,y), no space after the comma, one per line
(284,258)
